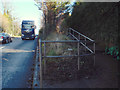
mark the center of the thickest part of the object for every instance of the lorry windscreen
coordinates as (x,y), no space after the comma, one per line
(27,26)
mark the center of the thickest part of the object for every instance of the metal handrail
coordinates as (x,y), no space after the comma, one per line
(78,40)
(83,44)
(82,35)
(72,31)
(87,47)
(60,41)
(67,56)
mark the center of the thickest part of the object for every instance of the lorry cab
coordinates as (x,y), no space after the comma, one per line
(28,29)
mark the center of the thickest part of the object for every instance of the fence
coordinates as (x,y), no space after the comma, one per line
(83,41)
(80,39)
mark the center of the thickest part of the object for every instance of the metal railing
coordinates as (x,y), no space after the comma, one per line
(81,40)
(64,41)
(84,39)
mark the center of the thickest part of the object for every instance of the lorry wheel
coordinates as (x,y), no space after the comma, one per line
(10,40)
(23,39)
(6,41)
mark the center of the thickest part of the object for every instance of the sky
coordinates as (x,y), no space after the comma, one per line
(25,10)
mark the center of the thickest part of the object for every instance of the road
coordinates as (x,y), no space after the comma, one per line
(17,61)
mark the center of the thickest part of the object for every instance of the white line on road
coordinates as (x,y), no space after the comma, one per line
(2,47)
(5,59)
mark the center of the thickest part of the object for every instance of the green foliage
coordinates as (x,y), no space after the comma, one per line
(7,24)
(114,51)
(52,53)
(96,20)
(64,26)
(52,10)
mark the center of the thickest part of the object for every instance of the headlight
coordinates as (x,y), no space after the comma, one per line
(33,35)
(22,34)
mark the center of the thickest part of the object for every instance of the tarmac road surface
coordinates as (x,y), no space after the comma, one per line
(17,60)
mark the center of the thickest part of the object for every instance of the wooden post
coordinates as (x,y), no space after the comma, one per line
(40,60)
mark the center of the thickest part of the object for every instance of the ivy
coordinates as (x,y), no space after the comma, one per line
(114,51)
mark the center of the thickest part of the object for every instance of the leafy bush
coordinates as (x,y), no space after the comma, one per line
(114,51)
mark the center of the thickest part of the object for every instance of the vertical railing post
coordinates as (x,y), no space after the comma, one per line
(68,31)
(94,53)
(78,55)
(73,32)
(40,60)
(44,58)
(79,36)
(85,45)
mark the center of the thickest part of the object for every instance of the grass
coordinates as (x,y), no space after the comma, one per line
(52,53)
(59,48)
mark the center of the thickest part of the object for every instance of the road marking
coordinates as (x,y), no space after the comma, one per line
(2,47)
(5,59)
(16,50)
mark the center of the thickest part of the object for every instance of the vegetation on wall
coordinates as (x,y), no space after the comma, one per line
(96,20)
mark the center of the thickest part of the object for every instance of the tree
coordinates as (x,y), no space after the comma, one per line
(51,10)
(8,20)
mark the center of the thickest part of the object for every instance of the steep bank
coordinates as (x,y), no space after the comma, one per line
(96,20)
